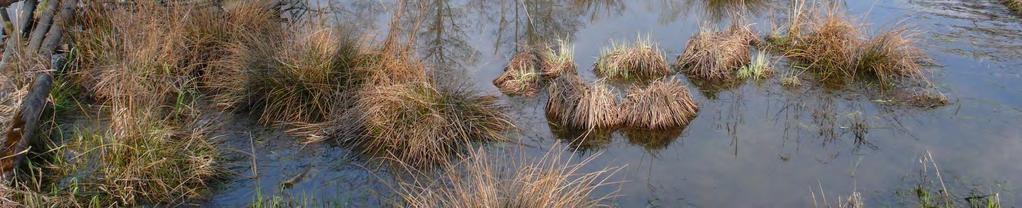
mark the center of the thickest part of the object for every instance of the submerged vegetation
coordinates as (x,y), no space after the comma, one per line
(717,56)
(523,74)
(642,59)
(485,181)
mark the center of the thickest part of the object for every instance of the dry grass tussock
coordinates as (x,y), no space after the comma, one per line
(662,104)
(485,181)
(523,74)
(576,104)
(717,55)
(830,45)
(642,59)
(140,61)
(421,125)
(531,68)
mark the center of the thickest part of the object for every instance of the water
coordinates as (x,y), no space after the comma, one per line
(755,145)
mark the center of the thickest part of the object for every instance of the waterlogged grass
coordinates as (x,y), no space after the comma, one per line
(663,104)
(716,56)
(758,69)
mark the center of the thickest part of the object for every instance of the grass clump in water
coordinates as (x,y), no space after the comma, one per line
(484,181)
(421,125)
(832,47)
(575,104)
(523,75)
(559,61)
(662,104)
(642,59)
(758,69)
(716,56)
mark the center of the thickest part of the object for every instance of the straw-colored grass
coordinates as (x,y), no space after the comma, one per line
(559,61)
(293,80)
(716,56)
(523,74)
(642,59)
(553,181)
(575,104)
(662,104)
(833,48)
(421,125)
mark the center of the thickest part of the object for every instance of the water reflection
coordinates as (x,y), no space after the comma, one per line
(581,140)
(653,140)
(983,30)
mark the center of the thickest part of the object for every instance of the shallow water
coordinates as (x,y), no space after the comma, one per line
(755,145)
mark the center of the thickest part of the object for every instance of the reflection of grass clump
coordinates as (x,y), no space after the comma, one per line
(579,105)
(422,125)
(640,60)
(660,105)
(1013,5)
(482,181)
(716,56)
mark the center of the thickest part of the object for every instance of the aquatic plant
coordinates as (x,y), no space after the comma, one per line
(484,181)
(758,69)
(831,46)
(716,56)
(421,125)
(575,104)
(523,74)
(662,104)
(642,59)
(559,61)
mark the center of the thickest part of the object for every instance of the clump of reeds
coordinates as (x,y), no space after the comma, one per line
(523,75)
(642,59)
(716,56)
(295,79)
(484,181)
(559,61)
(421,125)
(832,47)
(662,104)
(577,104)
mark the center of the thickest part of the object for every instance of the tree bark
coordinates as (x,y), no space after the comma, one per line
(5,3)
(56,33)
(42,26)
(24,124)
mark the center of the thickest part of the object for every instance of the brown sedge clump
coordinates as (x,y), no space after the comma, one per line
(523,74)
(833,47)
(421,125)
(1013,5)
(662,104)
(716,56)
(642,59)
(485,181)
(576,104)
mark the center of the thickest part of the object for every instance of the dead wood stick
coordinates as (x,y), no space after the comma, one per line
(56,33)
(24,124)
(42,26)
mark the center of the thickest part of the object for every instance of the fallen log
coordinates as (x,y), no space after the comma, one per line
(24,124)
(42,26)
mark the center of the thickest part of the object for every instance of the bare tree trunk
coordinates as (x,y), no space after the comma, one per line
(23,18)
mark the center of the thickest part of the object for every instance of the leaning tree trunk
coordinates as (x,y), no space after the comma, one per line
(43,41)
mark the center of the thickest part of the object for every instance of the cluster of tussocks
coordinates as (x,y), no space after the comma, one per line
(421,125)
(640,60)
(832,47)
(576,104)
(140,61)
(481,181)
(531,68)
(662,104)
(716,56)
